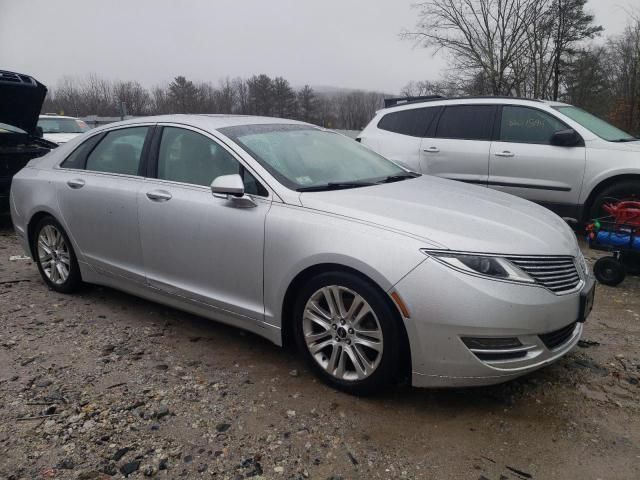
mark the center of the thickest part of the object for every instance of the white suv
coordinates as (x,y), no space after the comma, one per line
(549,152)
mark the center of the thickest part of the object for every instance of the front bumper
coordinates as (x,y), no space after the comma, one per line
(446,306)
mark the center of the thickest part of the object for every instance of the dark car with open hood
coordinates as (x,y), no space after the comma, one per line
(21,98)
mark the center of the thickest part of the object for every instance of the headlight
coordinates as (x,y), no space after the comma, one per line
(491,266)
(582,264)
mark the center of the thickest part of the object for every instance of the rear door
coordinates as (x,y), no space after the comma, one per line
(398,135)
(458,148)
(98,198)
(524,163)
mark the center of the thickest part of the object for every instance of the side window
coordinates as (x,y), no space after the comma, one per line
(188,157)
(414,122)
(119,151)
(77,157)
(528,125)
(467,122)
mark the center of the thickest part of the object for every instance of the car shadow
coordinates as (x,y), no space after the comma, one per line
(191,335)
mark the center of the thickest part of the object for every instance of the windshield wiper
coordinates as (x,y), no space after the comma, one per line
(334,186)
(624,140)
(399,177)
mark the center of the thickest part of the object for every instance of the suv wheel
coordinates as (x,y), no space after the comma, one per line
(624,190)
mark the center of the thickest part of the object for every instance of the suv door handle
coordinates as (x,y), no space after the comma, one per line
(159,196)
(432,150)
(506,153)
(76,183)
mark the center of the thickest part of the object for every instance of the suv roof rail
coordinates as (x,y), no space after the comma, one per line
(392,102)
(398,101)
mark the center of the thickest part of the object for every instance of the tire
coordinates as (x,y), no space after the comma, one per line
(623,190)
(609,271)
(362,350)
(55,257)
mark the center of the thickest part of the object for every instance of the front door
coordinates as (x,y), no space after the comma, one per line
(524,163)
(196,246)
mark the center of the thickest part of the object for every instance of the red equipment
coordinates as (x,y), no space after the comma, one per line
(627,212)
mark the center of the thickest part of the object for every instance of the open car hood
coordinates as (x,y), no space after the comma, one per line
(21,98)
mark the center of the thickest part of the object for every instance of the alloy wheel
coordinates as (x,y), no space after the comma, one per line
(53,255)
(342,333)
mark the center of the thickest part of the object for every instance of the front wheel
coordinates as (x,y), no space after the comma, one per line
(55,256)
(348,333)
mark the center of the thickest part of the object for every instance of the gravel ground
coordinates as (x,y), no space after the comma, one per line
(103,385)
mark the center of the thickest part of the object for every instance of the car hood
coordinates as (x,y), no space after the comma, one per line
(452,215)
(60,137)
(21,98)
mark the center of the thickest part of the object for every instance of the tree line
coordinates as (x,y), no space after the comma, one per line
(258,95)
(542,49)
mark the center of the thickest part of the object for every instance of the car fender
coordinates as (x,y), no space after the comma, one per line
(298,238)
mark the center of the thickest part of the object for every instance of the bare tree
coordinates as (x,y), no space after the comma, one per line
(483,36)
(134,96)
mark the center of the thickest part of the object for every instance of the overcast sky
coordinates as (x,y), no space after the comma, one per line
(342,43)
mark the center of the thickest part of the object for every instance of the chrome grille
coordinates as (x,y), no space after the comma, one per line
(558,274)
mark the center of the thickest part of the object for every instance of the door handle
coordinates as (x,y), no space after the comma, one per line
(159,196)
(76,183)
(506,153)
(432,150)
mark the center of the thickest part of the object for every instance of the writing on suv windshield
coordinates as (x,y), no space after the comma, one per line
(305,158)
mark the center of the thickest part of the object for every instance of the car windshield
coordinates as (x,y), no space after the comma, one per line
(306,158)
(62,125)
(596,125)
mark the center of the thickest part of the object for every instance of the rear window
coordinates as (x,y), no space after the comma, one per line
(414,122)
(467,122)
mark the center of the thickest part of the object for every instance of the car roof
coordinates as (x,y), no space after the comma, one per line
(471,100)
(207,121)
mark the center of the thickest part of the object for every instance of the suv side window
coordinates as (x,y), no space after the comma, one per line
(528,125)
(119,151)
(467,122)
(188,157)
(414,122)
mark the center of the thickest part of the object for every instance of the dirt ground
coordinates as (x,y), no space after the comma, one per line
(104,385)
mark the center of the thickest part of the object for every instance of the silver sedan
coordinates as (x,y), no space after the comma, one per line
(302,235)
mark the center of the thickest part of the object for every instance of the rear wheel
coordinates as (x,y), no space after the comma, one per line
(55,256)
(609,271)
(348,333)
(624,190)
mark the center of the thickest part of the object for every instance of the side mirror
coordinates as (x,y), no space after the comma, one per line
(226,185)
(566,138)
(39,132)
(231,187)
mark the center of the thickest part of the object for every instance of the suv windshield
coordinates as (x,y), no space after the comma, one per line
(596,125)
(62,125)
(307,158)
